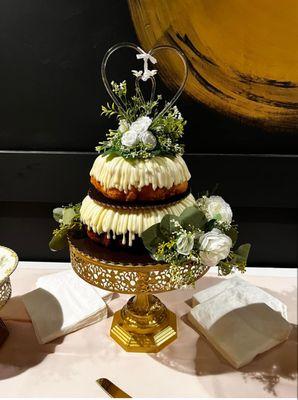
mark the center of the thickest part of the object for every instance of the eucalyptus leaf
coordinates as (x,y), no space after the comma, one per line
(58,214)
(241,254)
(243,251)
(68,215)
(59,240)
(167,225)
(192,216)
(152,237)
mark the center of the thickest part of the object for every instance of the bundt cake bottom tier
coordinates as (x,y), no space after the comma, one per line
(106,240)
(127,223)
(129,256)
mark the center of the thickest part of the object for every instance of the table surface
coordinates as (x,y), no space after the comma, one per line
(189,367)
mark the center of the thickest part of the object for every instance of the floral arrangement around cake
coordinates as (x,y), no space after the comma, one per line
(139,187)
(203,235)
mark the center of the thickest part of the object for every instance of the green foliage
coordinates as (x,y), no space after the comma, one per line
(210,225)
(168,225)
(237,259)
(162,241)
(192,217)
(69,220)
(168,129)
(109,110)
(232,232)
(153,238)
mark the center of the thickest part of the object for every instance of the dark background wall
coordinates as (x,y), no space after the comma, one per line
(51,92)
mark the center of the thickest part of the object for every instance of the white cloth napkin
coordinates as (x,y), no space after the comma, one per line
(63,303)
(238,321)
(253,294)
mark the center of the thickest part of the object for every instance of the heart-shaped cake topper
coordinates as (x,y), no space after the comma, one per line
(144,75)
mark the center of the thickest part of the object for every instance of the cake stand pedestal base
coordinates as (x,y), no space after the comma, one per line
(144,325)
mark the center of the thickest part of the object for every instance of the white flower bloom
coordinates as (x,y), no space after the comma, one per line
(214,247)
(130,138)
(123,126)
(141,124)
(216,208)
(148,139)
(138,131)
(176,113)
(185,243)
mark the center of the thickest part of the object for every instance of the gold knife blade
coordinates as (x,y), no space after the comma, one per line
(111,389)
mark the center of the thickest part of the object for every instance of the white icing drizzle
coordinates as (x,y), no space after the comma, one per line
(102,219)
(122,174)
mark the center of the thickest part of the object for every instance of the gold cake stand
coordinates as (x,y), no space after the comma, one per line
(144,324)
(5,285)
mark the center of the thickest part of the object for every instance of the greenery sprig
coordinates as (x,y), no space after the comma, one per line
(69,220)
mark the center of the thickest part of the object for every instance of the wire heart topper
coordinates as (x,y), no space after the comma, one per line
(145,74)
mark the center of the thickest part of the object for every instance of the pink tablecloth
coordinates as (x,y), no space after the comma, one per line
(187,368)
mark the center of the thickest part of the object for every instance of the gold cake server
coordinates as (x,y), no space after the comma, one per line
(111,389)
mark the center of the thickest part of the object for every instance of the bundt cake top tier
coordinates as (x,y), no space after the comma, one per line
(156,172)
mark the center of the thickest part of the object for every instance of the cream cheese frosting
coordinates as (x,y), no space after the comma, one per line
(119,173)
(113,221)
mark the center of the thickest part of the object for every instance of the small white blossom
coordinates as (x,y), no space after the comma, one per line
(123,126)
(176,113)
(185,243)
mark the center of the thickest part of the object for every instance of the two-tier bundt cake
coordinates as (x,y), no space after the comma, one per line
(128,196)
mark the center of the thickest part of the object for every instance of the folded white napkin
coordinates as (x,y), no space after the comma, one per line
(63,303)
(253,294)
(238,326)
(50,282)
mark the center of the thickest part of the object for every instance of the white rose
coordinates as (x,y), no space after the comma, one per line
(123,126)
(185,243)
(148,139)
(141,124)
(214,247)
(130,138)
(217,208)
